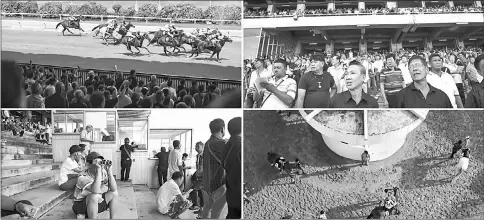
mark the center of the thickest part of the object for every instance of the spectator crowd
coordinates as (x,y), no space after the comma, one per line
(42,88)
(446,78)
(367,11)
(19,127)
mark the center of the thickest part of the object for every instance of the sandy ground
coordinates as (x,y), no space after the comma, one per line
(71,50)
(347,191)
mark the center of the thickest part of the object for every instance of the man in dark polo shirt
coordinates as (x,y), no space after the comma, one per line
(475,98)
(315,88)
(420,94)
(391,81)
(354,97)
(126,160)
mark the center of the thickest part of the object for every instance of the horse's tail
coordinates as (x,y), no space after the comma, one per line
(95,28)
(58,25)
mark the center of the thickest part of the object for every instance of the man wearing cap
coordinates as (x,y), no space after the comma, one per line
(170,200)
(86,139)
(175,162)
(96,191)
(70,169)
(126,161)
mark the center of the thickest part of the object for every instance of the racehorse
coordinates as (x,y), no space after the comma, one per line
(174,42)
(117,34)
(103,25)
(202,45)
(136,42)
(66,24)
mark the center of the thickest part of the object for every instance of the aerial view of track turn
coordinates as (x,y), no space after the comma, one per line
(437,172)
(139,36)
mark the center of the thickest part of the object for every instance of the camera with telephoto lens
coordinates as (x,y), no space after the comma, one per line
(106,162)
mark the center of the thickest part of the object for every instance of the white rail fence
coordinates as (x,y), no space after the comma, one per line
(102,17)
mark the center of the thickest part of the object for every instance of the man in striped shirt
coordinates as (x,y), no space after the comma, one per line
(391,81)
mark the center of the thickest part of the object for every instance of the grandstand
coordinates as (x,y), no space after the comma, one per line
(283,26)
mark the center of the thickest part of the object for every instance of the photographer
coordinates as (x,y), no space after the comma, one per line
(126,161)
(96,191)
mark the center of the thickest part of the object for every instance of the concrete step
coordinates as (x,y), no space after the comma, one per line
(146,203)
(15,142)
(18,184)
(44,198)
(26,156)
(23,170)
(126,208)
(36,149)
(14,163)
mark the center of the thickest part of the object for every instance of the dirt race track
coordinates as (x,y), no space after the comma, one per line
(49,47)
(421,169)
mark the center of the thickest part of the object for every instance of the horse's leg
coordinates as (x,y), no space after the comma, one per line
(146,49)
(218,56)
(164,48)
(212,55)
(63,34)
(70,31)
(137,49)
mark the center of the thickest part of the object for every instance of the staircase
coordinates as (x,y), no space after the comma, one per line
(29,172)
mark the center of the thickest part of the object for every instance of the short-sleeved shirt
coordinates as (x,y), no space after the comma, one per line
(86,135)
(165,196)
(66,168)
(85,181)
(254,75)
(174,162)
(126,154)
(286,85)
(445,83)
(411,97)
(317,89)
(392,80)
(337,74)
(344,100)
(163,159)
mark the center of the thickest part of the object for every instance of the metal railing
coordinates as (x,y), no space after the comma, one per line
(146,19)
(308,14)
(83,74)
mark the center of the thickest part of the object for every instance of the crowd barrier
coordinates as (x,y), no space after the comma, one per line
(83,74)
(102,17)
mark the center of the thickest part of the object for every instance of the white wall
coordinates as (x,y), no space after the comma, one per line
(196,119)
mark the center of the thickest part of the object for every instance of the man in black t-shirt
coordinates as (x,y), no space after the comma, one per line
(162,165)
(126,160)
(315,88)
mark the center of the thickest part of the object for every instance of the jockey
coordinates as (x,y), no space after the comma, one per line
(390,201)
(112,23)
(169,28)
(72,19)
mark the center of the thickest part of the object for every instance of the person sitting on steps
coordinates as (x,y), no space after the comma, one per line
(96,191)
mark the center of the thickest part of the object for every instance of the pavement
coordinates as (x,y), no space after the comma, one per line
(42,44)
(346,190)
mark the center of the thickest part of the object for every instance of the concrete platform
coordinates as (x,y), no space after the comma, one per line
(20,156)
(18,184)
(43,198)
(127,207)
(23,170)
(13,163)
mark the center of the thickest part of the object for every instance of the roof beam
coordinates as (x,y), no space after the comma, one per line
(466,36)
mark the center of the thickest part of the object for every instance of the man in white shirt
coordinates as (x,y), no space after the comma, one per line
(443,81)
(259,72)
(269,65)
(70,169)
(337,72)
(403,66)
(279,91)
(378,64)
(86,139)
(175,162)
(170,200)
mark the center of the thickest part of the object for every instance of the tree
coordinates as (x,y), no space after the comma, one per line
(117,8)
